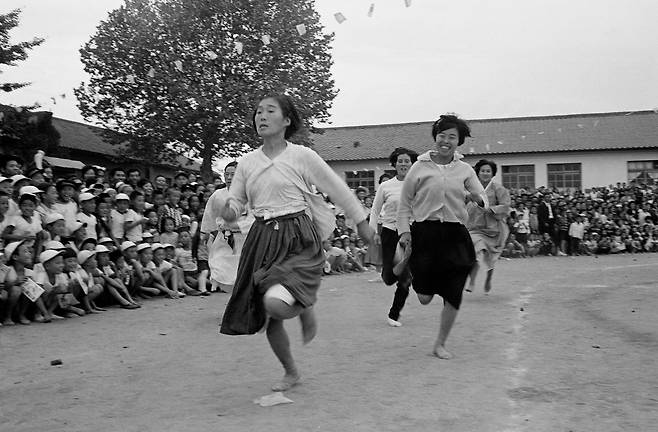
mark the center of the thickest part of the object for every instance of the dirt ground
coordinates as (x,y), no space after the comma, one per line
(561,344)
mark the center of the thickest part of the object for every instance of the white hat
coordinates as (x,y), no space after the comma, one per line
(16,178)
(49,254)
(29,189)
(121,196)
(77,225)
(84,255)
(108,190)
(156,246)
(147,235)
(127,245)
(52,217)
(86,196)
(101,249)
(54,245)
(105,240)
(142,246)
(11,248)
(168,245)
(4,179)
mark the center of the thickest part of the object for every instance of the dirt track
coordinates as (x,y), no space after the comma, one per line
(561,344)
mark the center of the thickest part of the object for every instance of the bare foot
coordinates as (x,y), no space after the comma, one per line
(309,325)
(24,321)
(8,322)
(442,353)
(289,381)
(487,287)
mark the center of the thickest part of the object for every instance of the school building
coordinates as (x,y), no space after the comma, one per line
(569,152)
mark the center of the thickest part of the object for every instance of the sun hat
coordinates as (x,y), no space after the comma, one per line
(54,245)
(105,240)
(11,248)
(101,249)
(29,189)
(86,196)
(84,255)
(49,254)
(77,225)
(127,245)
(52,217)
(16,178)
(143,246)
(121,196)
(156,246)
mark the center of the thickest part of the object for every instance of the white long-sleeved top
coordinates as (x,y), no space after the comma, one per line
(434,191)
(259,182)
(386,199)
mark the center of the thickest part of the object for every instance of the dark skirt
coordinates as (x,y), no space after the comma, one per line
(286,251)
(442,256)
(389,239)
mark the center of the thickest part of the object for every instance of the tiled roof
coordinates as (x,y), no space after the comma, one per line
(577,132)
(88,138)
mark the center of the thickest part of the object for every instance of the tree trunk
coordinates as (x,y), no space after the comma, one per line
(206,163)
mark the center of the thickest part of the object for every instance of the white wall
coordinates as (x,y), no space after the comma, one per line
(599,168)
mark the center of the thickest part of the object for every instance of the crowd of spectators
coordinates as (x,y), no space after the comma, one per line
(70,245)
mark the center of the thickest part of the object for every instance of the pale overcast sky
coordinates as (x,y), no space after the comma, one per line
(479,58)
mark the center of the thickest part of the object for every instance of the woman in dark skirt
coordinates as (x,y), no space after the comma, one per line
(282,259)
(434,196)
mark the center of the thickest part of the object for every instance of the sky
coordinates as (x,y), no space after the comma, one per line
(478,58)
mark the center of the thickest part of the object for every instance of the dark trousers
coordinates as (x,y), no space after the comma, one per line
(389,243)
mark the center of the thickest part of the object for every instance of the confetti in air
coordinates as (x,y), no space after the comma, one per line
(540,133)
(340,17)
(488,147)
(596,123)
(211,55)
(238,47)
(371,10)
(266,39)
(178,65)
(500,142)
(522,136)
(151,73)
(580,126)
(130,79)
(471,150)
(301,29)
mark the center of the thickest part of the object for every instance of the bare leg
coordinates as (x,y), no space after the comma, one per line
(278,311)
(448,316)
(487,283)
(309,324)
(472,276)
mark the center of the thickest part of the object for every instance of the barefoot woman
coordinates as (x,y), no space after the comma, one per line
(433,196)
(282,258)
(487,226)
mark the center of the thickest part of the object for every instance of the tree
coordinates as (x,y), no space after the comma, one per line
(11,54)
(21,131)
(170,73)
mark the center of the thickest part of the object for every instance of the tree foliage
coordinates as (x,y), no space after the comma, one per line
(10,53)
(168,73)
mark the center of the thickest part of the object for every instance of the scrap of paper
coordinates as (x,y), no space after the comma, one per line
(339,17)
(130,79)
(238,47)
(211,55)
(407,3)
(273,399)
(31,290)
(266,39)
(301,29)
(371,10)
(179,65)
(151,73)
(488,147)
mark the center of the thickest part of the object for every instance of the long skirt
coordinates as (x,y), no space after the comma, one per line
(489,244)
(286,251)
(442,257)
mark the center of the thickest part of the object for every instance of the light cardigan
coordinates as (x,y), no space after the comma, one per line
(261,183)
(434,191)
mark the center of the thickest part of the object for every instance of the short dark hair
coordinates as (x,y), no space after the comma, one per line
(87,168)
(114,170)
(483,162)
(181,174)
(132,170)
(383,176)
(393,158)
(231,164)
(288,109)
(27,197)
(450,121)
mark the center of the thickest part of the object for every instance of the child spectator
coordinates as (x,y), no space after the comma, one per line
(521,228)
(113,284)
(53,281)
(142,281)
(172,208)
(188,265)
(533,245)
(168,235)
(513,249)
(576,234)
(65,204)
(119,217)
(547,245)
(48,199)
(151,225)
(134,219)
(86,214)
(157,273)
(19,258)
(86,290)
(4,219)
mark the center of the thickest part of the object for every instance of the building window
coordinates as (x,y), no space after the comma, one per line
(564,176)
(643,171)
(365,178)
(519,176)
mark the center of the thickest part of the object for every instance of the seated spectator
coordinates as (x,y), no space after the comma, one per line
(513,249)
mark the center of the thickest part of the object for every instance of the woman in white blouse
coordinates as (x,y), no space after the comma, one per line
(433,193)
(282,259)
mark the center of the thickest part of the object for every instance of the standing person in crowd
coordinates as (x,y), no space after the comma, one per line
(66,205)
(546,216)
(576,234)
(374,254)
(442,253)
(487,226)
(281,264)
(223,250)
(386,204)
(48,199)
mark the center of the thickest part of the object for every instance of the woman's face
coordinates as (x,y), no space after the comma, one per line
(23,254)
(485,174)
(269,118)
(447,142)
(90,173)
(169,225)
(27,208)
(4,204)
(402,165)
(148,188)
